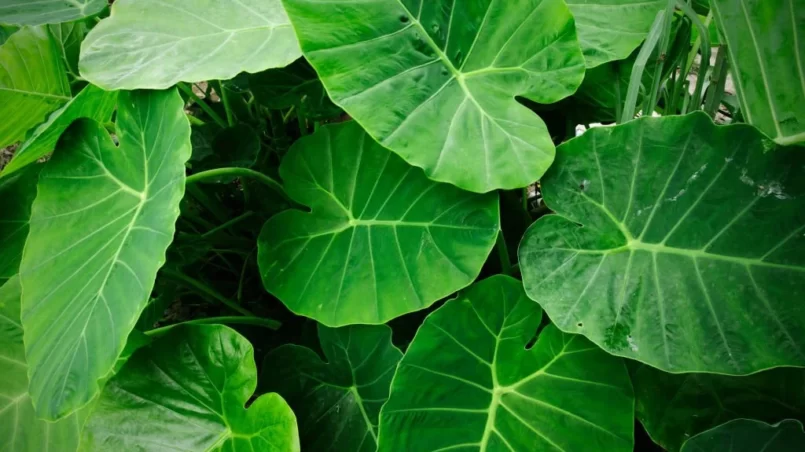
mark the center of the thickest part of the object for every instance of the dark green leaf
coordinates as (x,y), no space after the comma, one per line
(17,193)
(187,392)
(294,86)
(381,241)
(677,243)
(236,146)
(338,401)
(468,382)
(746,435)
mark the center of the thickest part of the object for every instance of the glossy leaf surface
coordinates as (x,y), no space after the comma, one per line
(468,382)
(747,435)
(157,43)
(673,408)
(17,193)
(382,239)
(766,42)
(610,30)
(101,222)
(92,102)
(435,81)
(38,12)
(32,82)
(690,248)
(187,391)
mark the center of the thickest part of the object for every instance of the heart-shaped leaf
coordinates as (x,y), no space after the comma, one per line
(187,391)
(29,12)
(469,382)
(747,435)
(17,193)
(672,408)
(101,222)
(767,59)
(382,239)
(690,250)
(435,81)
(157,43)
(338,401)
(92,102)
(32,82)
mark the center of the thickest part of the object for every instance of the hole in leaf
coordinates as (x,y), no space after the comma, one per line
(404,19)
(580,325)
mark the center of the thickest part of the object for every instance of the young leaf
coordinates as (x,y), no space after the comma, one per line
(672,408)
(32,82)
(435,81)
(92,102)
(338,401)
(39,12)
(690,249)
(767,58)
(187,391)
(157,43)
(296,85)
(747,435)
(382,239)
(468,382)
(17,193)
(101,222)
(610,30)
(20,430)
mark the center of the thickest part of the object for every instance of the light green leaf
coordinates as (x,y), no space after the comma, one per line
(101,222)
(38,12)
(672,408)
(92,102)
(157,43)
(747,435)
(677,243)
(20,430)
(17,193)
(382,239)
(296,85)
(32,82)
(610,30)
(338,401)
(766,42)
(468,382)
(435,81)
(187,392)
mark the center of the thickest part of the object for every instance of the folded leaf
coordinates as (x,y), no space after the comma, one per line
(29,12)
(101,222)
(747,435)
(157,43)
(17,193)
(766,42)
(187,391)
(338,401)
(676,243)
(32,82)
(469,382)
(435,81)
(382,239)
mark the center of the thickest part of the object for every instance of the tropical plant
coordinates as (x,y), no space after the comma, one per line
(402,225)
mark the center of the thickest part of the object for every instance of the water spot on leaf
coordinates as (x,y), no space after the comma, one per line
(773,188)
(434,28)
(746,179)
(697,174)
(631,342)
(677,196)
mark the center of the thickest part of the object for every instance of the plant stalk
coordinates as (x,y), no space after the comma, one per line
(704,35)
(203,105)
(718,81)
(503,254)
(204,289)
(238,172)
(237,320)
(640,66)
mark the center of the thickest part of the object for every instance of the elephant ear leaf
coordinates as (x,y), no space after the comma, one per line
(446,74)
(747,435)
(187,391)
(28,12)
(677,243)
(468,381)
(101,222)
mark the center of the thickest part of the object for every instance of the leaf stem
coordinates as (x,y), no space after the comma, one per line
(640,65)
(704,62)
(230,117)
(238,172)
(237,320)
(204,289)
(718,80)
(203,105)
(228,224)
(503,254)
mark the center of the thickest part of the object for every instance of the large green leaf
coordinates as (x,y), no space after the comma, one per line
(157,43)
(32,82)
(296,85)
(187,392)
(382,239)
(766,42)
(17,193)
(610,30)
(672,408)
(92,102)
(470,382)
(20,430)
(435,81)
(747,435)
(338,401)
(38,12)
(677,243)
(101,222)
